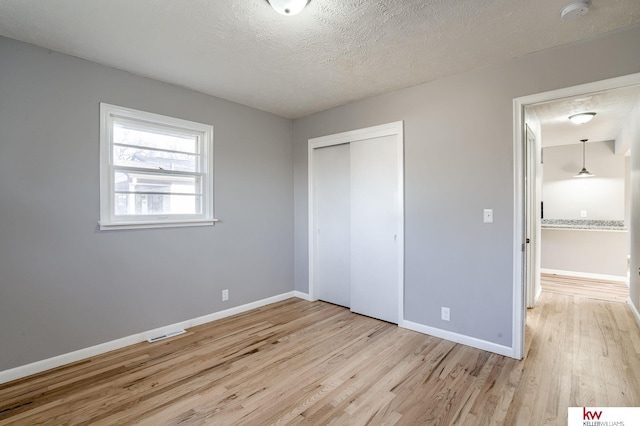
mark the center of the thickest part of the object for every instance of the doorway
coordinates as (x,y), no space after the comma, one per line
(584,232)
(524,271)
(356,225)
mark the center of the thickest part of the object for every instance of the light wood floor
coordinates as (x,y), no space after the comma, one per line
(311,362)
(614,291)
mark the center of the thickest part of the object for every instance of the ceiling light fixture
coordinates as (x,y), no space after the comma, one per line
(583,117)
(584,172)
(288,7)
(575,10)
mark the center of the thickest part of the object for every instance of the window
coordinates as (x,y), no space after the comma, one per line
(155,171)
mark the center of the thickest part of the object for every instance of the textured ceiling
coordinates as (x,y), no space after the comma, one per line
(333,53)
(612,108)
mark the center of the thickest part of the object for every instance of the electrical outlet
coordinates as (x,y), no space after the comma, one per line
(445,314)
(225,295)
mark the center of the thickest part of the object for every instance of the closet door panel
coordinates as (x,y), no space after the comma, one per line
(333,240)
(374,228)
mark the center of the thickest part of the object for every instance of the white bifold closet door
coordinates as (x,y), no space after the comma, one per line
(357,218)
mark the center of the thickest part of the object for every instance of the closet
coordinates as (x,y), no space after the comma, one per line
(357,221)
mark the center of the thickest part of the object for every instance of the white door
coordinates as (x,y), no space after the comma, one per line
(333,234)
(374,228)
(532,212)
(357,211)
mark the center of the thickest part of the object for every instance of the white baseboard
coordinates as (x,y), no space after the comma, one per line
(459,338)
(585,275)
(538,293)
(636,314)
(57,361)
(301,295)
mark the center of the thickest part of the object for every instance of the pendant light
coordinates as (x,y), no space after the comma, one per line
(584,172)
(288,7)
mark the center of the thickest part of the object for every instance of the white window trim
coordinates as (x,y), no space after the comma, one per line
(108,220)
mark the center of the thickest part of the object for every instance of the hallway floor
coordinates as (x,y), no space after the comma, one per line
(613,291)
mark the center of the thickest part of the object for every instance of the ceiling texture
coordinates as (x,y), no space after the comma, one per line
(333,53)
(612,108)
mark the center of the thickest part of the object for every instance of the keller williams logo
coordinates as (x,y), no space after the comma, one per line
(590,415)
(596,416)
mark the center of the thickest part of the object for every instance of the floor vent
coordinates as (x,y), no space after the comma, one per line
(165,336)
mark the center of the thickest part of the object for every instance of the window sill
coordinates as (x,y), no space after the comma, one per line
(114,226)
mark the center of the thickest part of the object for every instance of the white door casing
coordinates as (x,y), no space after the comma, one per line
(530,162)
(520,213)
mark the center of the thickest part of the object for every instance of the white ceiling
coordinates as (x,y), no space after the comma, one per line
(333,53)
(612,108)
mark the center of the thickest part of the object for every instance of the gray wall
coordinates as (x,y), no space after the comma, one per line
(593,252)
(602,196)
(458,161)
(66,286)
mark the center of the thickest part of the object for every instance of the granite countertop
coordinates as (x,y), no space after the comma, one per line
(598,225)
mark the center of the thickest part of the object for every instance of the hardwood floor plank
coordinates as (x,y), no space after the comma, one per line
(298,362)
(613,291)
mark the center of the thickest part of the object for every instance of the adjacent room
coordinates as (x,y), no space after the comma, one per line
(322,212)
(584,215)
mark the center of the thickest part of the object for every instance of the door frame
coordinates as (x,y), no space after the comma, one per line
(520,213)
(531,194)
(390,129)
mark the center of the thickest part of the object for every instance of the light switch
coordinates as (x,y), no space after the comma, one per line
(583,213)
(488,215)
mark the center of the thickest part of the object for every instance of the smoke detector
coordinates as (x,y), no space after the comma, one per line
(575,9)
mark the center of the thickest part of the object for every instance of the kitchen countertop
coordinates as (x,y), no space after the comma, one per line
(584,224)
